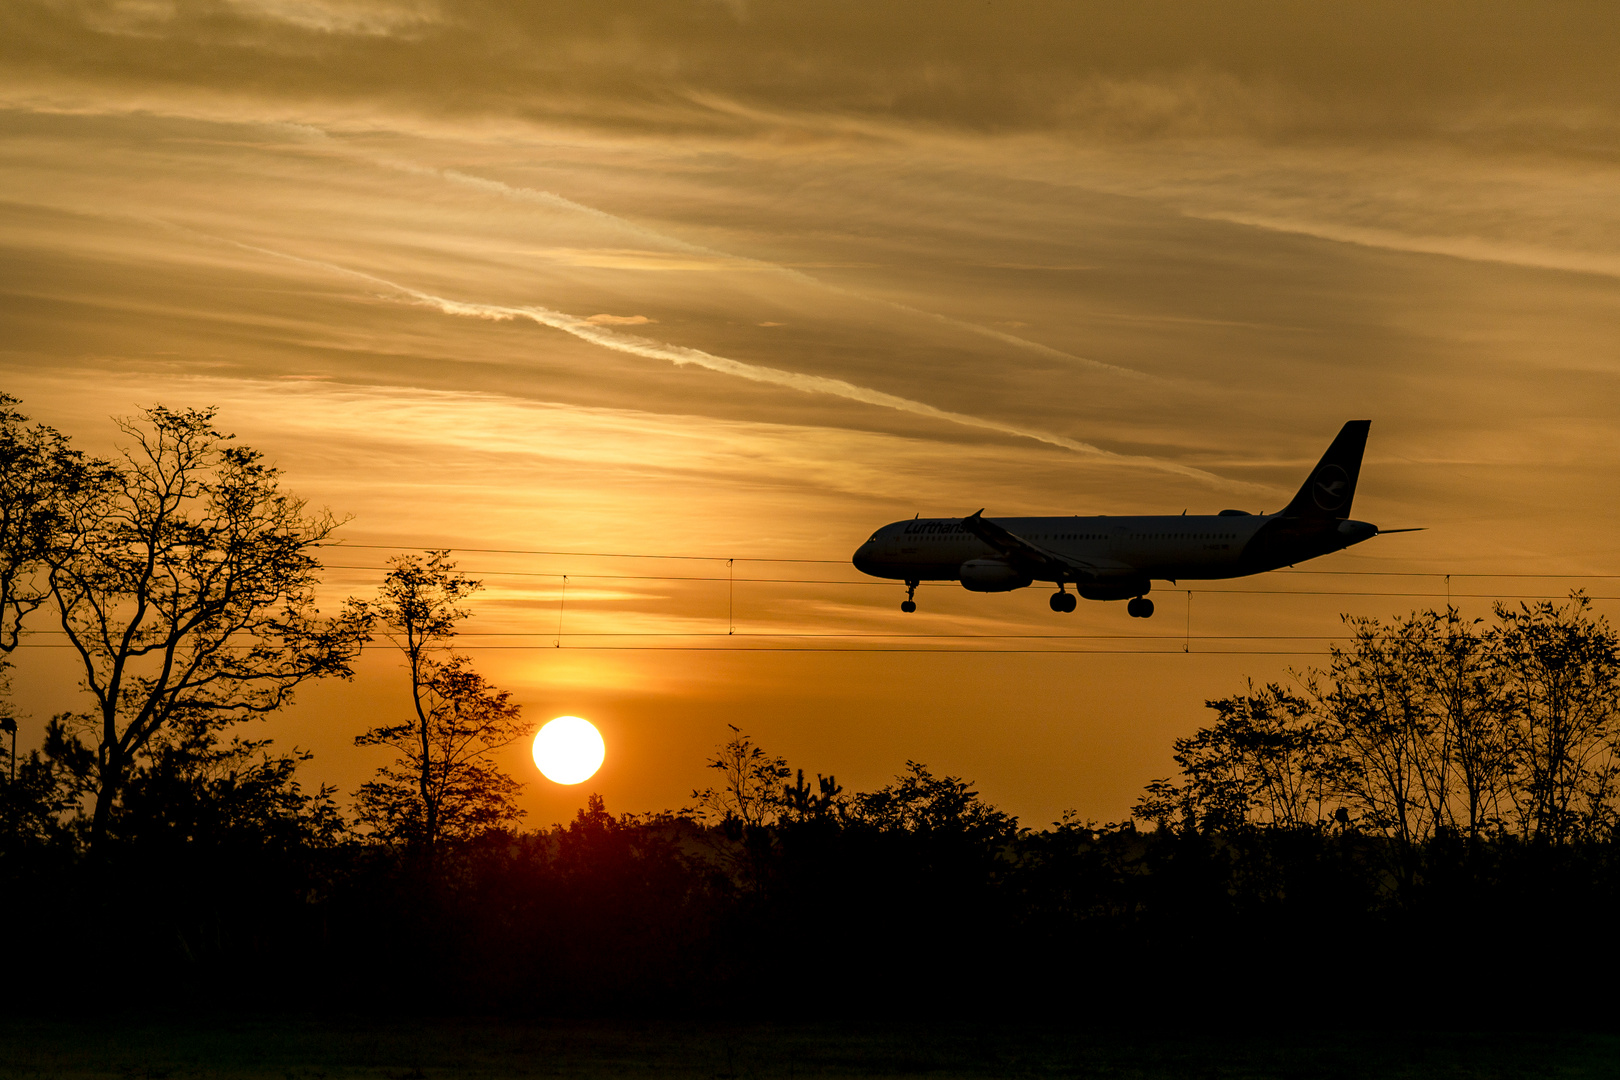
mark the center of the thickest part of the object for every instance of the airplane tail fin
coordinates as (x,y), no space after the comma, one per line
(1332,484)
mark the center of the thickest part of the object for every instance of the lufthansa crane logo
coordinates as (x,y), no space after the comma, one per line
(1330,486)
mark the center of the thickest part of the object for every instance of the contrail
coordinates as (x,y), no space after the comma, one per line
(547,198)
(792,380)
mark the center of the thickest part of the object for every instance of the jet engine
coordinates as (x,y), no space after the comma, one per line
(991,575)
(1120,588)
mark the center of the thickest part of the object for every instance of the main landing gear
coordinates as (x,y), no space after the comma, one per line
(908,605)
(1140,608)
(1063,601)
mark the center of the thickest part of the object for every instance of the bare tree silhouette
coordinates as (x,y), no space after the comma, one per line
(38,469)
(444,783)
(186,584)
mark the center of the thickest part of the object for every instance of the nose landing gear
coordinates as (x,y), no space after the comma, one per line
(908,605)
(1140,608)
(1062,601)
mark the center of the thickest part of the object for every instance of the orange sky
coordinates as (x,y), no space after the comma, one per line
(746,280)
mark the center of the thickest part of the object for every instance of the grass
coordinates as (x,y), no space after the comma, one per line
(295,1049)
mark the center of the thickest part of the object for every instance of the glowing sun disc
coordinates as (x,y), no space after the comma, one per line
(569,750)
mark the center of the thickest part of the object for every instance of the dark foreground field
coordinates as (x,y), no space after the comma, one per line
(337,1049)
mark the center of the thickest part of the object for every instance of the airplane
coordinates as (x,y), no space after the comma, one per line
(1118,558)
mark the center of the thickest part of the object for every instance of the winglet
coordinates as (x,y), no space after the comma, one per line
(1332,484)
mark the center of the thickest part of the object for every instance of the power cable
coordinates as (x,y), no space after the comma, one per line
(1175,650)
(576,554)
(846,562)
(946,584)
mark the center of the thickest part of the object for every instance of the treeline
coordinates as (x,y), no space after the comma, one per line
(1429,726)
(183,577)
(1423,831)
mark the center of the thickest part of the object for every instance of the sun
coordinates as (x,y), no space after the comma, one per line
(569,750)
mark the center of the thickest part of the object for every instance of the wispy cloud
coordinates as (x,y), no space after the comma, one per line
(619,320)
(1472,248)
(641,260)
(368,18)
(587,330)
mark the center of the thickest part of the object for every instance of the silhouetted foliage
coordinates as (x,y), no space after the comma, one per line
(38,471)
(184,581)
(1267,759)
(1562,689)
(1407,821)
(751,789)
(800,802)
(924,805)
(40,791)
(1425,727)
(194,789)
(916,898)
(466,793)
(443,785)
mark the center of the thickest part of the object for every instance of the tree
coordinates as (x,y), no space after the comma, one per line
(184,580)
(37,470)
(1266,760)
(1460,669)
(1455,727)
(946,807)
(38,789)
(1424,725)
(752,784)
(444,783)
(1383,721)
(195,789)
(1561,672)
(1417,710)
(800,802)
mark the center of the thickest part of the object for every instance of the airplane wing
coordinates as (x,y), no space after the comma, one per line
(1034,559)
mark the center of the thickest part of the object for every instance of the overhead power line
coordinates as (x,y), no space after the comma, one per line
(579,554)
(858,635)
(877,583)
(1170,649)
(846,562)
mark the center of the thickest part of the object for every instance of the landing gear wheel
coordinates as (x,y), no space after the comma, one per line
(1140,608)
(908,605)
(1062,601)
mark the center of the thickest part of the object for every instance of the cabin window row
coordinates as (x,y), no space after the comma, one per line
(1141,536)
(1104,536)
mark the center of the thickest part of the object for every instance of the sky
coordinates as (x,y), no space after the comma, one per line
(704,291)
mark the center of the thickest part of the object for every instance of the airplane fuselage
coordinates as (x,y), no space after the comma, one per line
(1119,558)
(1125,552)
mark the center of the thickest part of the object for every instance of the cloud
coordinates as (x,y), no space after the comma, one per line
(369,18)
(585,330)
(1472,248)
(1285,69)
(709,259)
(618,320)
(629,259)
